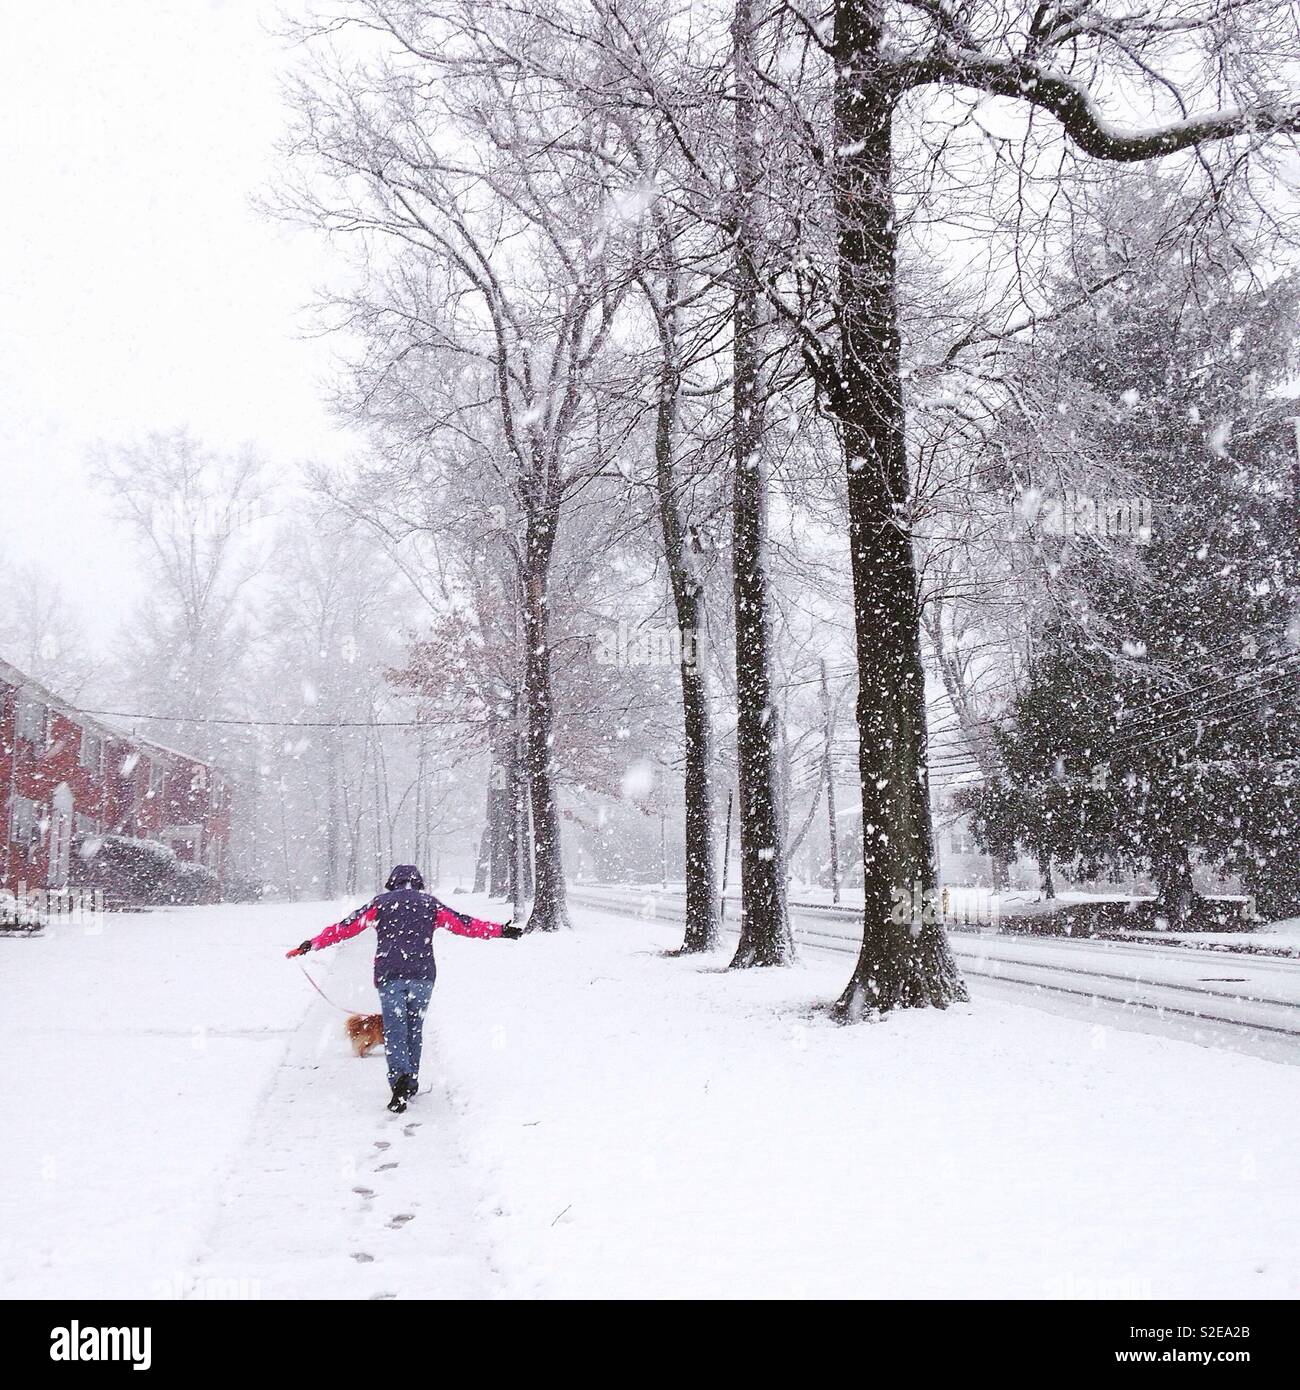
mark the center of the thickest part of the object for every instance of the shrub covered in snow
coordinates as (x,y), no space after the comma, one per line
(187,884)
(144,872)
(125,867)
(16,916)
(242,888)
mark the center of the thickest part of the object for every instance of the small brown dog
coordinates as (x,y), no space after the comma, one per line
(365,1031)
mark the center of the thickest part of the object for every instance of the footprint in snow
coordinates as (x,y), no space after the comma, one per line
(384,1167)
(381,1143)
(362,1258)
(375,1296)
(401,1219)
(363,1191)
(410,1129)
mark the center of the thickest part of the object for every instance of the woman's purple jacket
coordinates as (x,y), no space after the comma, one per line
(404,921)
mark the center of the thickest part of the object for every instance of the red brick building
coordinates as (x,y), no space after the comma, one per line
(64,775)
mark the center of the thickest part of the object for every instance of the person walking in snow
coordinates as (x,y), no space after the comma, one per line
(404,918)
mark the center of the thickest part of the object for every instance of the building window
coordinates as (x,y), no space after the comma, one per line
(25,824)
(30,720)
(92,752)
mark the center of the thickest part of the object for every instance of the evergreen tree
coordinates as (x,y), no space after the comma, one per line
(1160,713)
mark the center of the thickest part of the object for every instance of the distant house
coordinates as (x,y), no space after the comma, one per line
(65,776)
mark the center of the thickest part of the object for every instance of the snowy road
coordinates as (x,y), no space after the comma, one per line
(1242,1002)
(182,1118)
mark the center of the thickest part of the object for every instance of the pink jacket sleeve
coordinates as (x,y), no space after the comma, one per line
(352,925)
(462,925)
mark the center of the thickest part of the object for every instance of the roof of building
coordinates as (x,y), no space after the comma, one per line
(110,728)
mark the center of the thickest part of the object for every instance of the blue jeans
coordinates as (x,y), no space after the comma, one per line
(405,1003)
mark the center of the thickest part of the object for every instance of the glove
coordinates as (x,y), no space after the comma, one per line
(299,950)
(511,933)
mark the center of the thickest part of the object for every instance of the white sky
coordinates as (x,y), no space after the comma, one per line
(138,287)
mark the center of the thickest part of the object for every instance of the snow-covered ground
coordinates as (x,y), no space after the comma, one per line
(134,1058)
(182,1116)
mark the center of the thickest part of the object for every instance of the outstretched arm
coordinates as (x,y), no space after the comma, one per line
(351,925)
(462,924)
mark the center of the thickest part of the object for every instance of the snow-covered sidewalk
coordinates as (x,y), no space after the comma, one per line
(332,1196)
(182,1116)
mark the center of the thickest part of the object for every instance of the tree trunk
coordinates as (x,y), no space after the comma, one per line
(828,771)
(703,932)
(380,872)
(1176,890)
(516,843)
(289,883)
(726,862)
(905,960)
(1045,875)
(331,816)
(487,841)
(418,816)
(354,823)
(765,937)
(524,833)
(504,816)
(549,908)
(1001,867)
(514,838)
(833,832)
(504,812)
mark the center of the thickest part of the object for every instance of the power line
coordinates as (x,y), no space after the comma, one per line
(279,723)
(1210,710)
(1215,720)
(956,763)
(1208,655)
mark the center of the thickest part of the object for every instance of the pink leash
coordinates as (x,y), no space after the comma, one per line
(326,997)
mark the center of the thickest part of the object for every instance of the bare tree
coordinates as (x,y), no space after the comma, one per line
(42,634)
(1058,60)
(501,272)
(332,622)
(696,86)
(194,511)
(765,936)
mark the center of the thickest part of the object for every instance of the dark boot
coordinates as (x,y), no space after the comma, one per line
(398,1103)
(410,1086)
